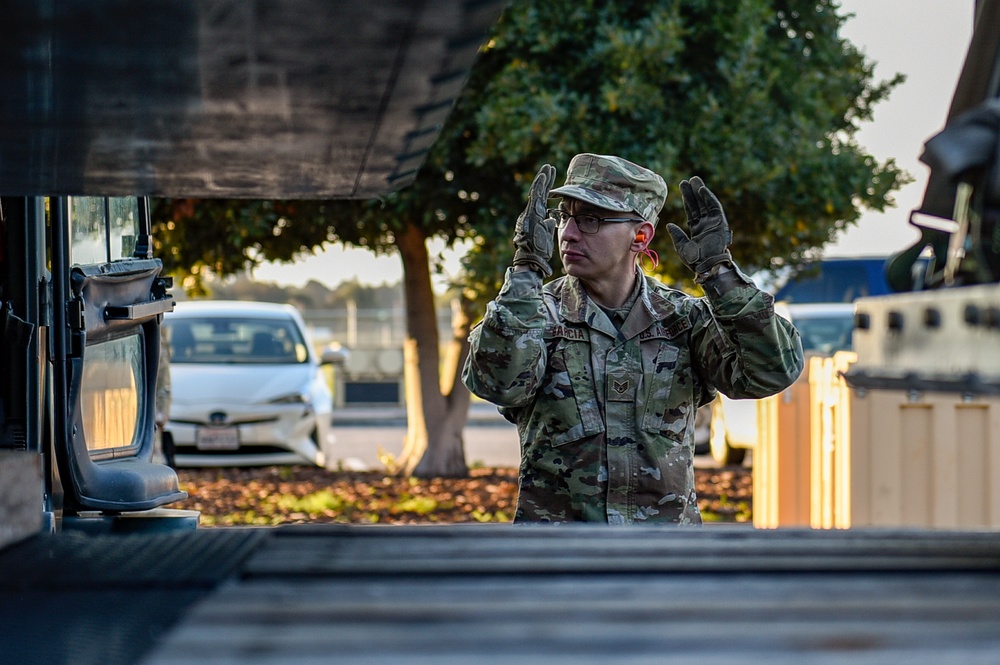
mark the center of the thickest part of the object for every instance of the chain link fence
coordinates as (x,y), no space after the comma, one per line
(373,373)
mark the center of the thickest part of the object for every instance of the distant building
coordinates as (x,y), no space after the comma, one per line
(836,280)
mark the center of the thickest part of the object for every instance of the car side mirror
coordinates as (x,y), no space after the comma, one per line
(334,354)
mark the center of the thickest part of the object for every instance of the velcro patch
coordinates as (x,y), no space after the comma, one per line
(621,387)
(660,331)
(565,332)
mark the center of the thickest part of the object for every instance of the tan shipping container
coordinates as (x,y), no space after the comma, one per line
(830,456)
(922,459)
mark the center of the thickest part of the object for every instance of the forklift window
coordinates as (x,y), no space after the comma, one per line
(102,230)
(111,396)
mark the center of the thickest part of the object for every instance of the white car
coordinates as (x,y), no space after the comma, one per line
(825,328)
(246,386)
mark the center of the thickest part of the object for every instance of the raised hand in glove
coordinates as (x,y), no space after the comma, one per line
(708,244)
(534,232)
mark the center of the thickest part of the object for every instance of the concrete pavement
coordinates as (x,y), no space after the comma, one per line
(480,414)
(363,434)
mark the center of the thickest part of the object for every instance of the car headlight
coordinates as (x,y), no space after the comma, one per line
(293,398)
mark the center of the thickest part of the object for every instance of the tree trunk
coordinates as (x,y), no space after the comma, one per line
(436,409)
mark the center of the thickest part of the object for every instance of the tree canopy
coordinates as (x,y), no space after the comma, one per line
(762,100)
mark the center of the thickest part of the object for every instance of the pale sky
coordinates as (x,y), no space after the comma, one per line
(924,39)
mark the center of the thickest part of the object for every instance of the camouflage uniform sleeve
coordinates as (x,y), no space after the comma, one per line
(507,353)
(746,350)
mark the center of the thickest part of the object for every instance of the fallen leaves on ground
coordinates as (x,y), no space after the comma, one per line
(297,494)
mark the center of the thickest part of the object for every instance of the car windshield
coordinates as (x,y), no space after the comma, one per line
(235,340)
(825,334)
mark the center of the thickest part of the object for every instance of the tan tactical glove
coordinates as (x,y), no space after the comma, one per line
(534,232)
(708,245)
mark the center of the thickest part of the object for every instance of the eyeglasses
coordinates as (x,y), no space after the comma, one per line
(589,224)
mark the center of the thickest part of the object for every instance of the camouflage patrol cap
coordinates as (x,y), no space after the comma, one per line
(614,183)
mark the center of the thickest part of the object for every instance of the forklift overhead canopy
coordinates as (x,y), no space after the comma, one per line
(228,98)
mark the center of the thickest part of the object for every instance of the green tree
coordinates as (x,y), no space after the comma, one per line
(763,100)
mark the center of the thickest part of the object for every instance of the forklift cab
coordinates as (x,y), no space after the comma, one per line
(107,102)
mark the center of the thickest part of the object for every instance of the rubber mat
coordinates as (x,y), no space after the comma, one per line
(71,560)
(107,600)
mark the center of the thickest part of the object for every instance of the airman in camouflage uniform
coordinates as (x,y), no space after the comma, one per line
(602,370)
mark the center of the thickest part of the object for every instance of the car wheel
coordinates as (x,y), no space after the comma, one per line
(722,452)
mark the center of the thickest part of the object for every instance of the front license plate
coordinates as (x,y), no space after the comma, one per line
(217,438)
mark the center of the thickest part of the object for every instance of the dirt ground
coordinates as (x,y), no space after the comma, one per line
(279,495)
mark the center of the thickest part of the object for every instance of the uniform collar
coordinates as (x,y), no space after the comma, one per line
(650,307)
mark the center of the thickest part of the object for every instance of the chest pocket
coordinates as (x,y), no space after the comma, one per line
(567,405)
(664,415)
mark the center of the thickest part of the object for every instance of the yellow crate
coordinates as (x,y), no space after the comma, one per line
(781,459)
(830,442)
